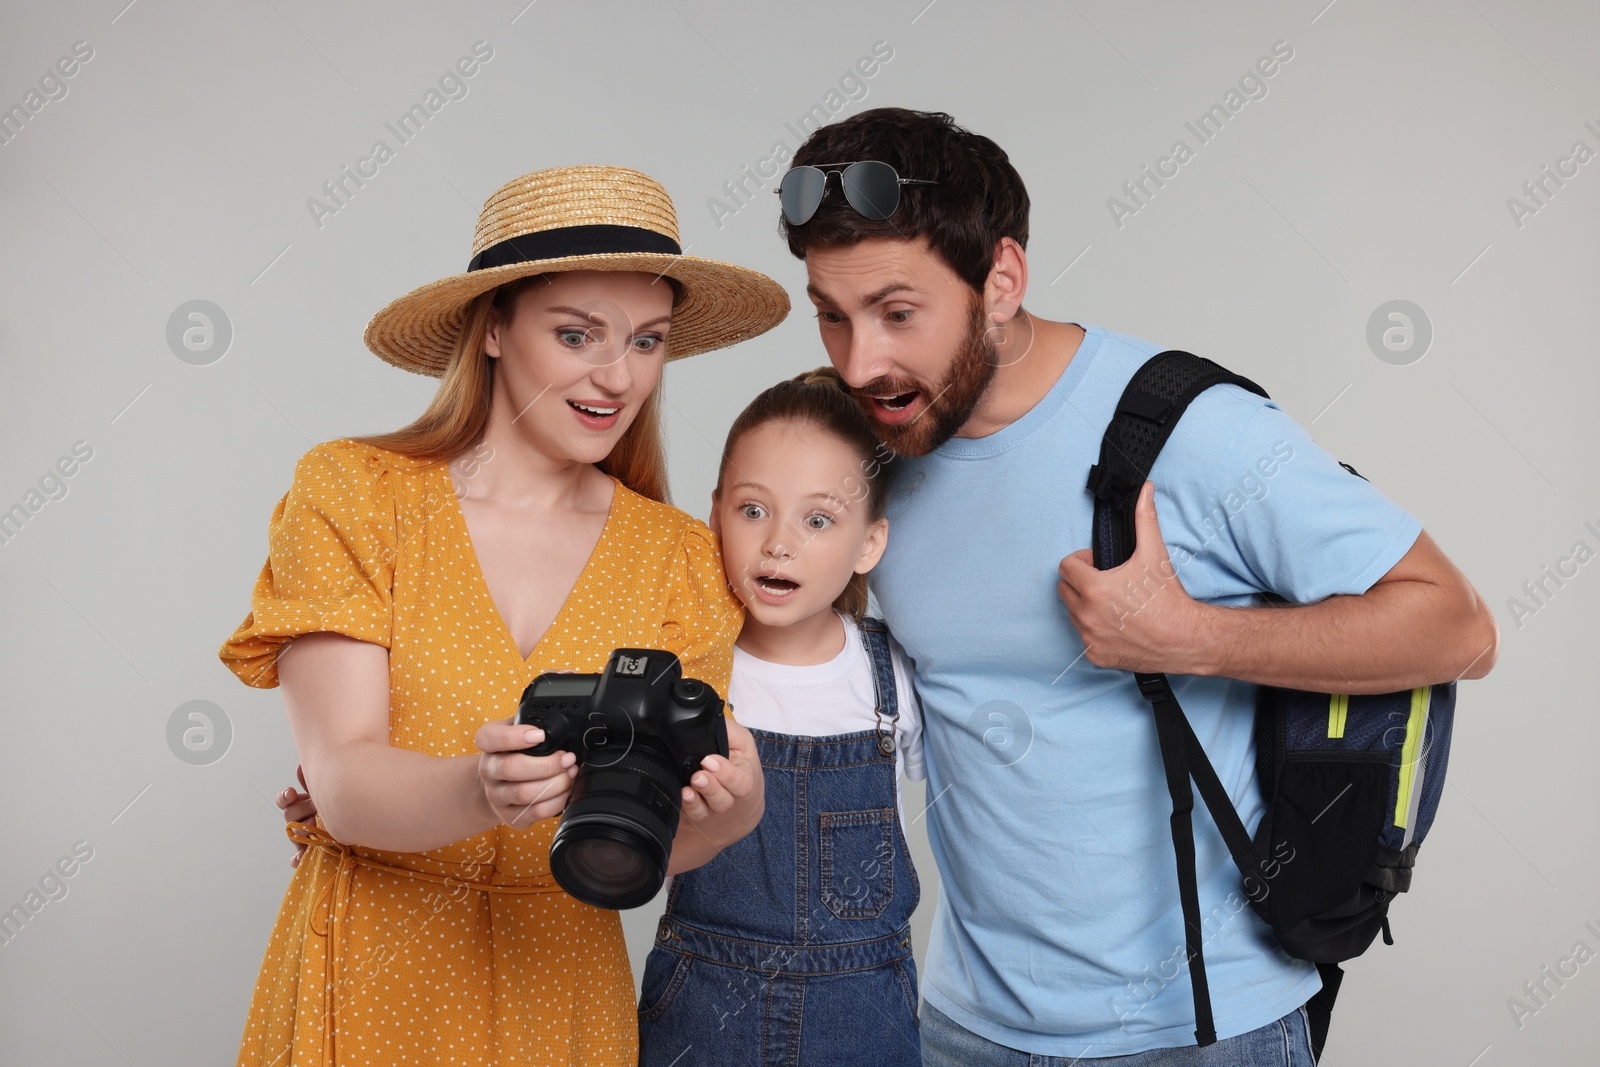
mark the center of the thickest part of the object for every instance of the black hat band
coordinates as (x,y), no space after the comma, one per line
(563,241)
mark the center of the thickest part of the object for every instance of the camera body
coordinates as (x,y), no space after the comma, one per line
(639,730)
(640,697)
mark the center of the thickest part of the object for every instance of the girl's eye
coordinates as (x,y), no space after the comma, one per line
(649,342)
(573,338)
(819,521)
(751,511)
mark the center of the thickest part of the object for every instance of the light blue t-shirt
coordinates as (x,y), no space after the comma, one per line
(1058,929)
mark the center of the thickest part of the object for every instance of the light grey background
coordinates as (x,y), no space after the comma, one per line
(178,167)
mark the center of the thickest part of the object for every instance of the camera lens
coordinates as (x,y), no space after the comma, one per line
(612,845)
(612,868)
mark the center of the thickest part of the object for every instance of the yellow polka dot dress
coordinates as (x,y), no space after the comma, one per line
(470,953)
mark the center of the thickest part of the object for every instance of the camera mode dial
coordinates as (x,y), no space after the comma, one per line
(690,693)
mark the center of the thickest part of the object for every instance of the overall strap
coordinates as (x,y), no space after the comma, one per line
(1146,414)
(875,637)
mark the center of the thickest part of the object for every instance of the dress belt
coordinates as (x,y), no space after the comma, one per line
(336,893)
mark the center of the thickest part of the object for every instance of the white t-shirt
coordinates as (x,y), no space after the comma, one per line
(836,697)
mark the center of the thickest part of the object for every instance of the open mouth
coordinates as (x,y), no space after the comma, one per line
(898,401)
(594,414)
(775,588)
(895,407)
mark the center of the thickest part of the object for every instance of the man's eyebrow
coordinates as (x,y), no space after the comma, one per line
(592,317)
(876,297)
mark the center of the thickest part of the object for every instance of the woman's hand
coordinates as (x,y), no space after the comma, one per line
(297,807)
(522,789)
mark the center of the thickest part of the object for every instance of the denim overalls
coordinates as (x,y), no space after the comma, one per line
(792,945)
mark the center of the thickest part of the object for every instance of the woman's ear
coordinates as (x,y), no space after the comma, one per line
(872,548)
(491,334)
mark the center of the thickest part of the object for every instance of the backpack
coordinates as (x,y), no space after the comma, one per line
(1350,782)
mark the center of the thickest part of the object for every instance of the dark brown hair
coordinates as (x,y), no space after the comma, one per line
(458,416)
(980,197)
(820,398)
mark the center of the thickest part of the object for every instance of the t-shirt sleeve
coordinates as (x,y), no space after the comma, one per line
(910,729)
(703,617)
(1270,509)
(331,547)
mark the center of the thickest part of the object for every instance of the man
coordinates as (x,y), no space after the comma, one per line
(1059,931)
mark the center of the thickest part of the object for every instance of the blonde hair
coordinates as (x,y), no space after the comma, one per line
(821,398)
(458,416)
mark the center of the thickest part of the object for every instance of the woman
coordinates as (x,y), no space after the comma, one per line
(426,576)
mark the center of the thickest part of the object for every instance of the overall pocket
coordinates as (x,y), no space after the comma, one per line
(664,975)
(857,861)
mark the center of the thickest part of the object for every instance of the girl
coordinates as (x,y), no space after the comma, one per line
(426,576)
(792,945)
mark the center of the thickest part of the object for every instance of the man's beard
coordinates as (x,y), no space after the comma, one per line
(949,405)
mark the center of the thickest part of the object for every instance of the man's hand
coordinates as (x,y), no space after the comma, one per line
(297,807)
(1135,617)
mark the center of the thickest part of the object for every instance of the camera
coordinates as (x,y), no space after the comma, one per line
(639,730)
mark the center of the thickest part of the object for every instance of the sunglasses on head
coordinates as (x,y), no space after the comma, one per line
(871,187)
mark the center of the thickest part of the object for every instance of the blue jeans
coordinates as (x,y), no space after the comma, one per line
(1285,1043)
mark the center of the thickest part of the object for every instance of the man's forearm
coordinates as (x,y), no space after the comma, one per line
(1396,636)
(402,801)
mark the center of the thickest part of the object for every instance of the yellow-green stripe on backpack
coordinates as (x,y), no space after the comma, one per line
(1351,782)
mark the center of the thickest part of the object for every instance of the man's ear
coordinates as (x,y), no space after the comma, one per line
(872,549)
(1007,281)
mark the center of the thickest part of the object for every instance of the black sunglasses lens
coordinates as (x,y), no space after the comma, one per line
(800,192)
(872,188)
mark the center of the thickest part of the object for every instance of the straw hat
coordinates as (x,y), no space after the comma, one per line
(579,218)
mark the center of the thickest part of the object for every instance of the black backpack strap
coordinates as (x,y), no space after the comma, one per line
(1175,760)
(1183,758)
(1155,398)
(1248,855)
(1319,1009)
